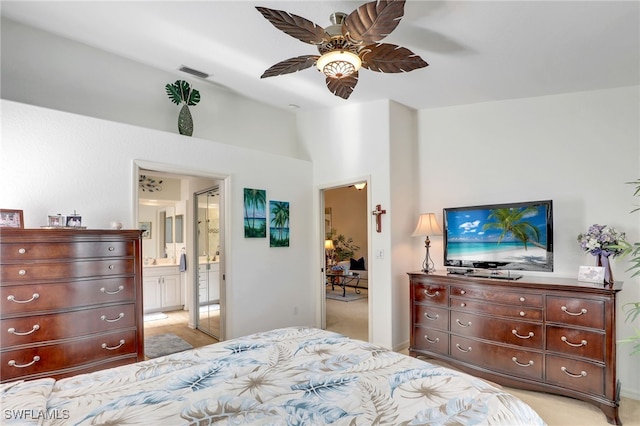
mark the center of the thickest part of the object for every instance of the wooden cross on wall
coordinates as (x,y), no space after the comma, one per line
(378,212)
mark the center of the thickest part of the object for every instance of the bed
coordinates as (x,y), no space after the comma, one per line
(289,376)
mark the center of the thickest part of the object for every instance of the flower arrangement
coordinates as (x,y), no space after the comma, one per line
(601,239)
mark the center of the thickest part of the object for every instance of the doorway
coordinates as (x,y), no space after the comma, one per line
(207,220)
(168,212)
(346,236)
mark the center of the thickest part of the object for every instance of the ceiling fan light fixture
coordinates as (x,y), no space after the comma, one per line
(339,63)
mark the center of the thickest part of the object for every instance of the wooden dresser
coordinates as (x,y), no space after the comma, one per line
(70,301)
(549,335)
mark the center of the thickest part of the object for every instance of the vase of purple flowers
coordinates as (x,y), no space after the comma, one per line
(605,243)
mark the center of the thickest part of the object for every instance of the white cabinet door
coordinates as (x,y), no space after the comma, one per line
(151,294)
(214,282)
(171,291)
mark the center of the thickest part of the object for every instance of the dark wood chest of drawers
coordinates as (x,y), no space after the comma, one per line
(70,301)
(550,335)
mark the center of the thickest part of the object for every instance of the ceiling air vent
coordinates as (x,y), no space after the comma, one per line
(193,72)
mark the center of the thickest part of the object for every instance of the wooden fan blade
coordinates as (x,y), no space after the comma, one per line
(373,21)
(390,58)
(296,26)
(291,65)
(344,86)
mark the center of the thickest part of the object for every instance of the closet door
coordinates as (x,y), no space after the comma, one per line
(208,246)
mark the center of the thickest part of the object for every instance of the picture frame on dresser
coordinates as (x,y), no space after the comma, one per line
(11,218)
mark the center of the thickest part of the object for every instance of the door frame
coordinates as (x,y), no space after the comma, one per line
(321,252)
(192,259)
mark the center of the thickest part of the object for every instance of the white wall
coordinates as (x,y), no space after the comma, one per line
(40,68)
(576,149)
(54,161)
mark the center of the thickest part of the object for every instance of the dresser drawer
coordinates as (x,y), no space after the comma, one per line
(60,270)
(36,329)
(431,316)
(519,362)
(513,332)
(578,375)
(39,359)
(427,339)
(510,311)
(30,251)
(24,298)
(430,293)
(576,311)
(498,296)
(576,342)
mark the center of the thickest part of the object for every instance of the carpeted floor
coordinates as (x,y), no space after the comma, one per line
(164,344)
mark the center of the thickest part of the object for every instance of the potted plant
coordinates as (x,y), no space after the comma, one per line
(343,246)
(181,92)
(632,309)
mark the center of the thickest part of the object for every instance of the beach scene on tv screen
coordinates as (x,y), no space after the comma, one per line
(514,237)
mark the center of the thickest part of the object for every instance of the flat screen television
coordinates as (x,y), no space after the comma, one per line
(509,237)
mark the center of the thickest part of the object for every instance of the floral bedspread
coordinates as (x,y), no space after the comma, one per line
(289,376)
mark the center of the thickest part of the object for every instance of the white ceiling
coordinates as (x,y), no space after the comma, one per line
(477,50)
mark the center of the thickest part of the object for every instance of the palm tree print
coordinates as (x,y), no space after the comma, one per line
(511,221)
(279,221)
(255,201)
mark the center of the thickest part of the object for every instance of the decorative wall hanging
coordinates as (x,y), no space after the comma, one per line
(278,224)
(145,227)
(255,218)
(181,92)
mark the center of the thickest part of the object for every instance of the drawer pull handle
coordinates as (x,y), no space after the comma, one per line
(22,250)
(522,313)
(112,267)
(568,373)
(436,340)
(468,324)
(522,299)
(575,345)
(111,248)
(463,292)
(462,305)
(26,333)
(112,348)
(436,294)
(22,272)
(12,363)
(120,316)
(12,298)
(529,364)
(429,317)
(105,291)
(566,311)
(515,333)
(463,350)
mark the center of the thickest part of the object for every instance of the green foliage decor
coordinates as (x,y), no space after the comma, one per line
(181,92)
(343,246)
(632,309)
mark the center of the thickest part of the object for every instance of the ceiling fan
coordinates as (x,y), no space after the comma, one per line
(351,42)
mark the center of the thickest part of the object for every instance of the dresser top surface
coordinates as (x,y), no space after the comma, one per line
(556,283)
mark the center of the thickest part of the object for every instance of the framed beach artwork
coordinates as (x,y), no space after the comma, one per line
(11,219)
(255,215)
(278,224)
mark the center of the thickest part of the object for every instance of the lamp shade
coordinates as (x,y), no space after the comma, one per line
(427,225)
(328,245)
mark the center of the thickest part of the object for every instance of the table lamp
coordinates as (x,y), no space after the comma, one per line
(427,225)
